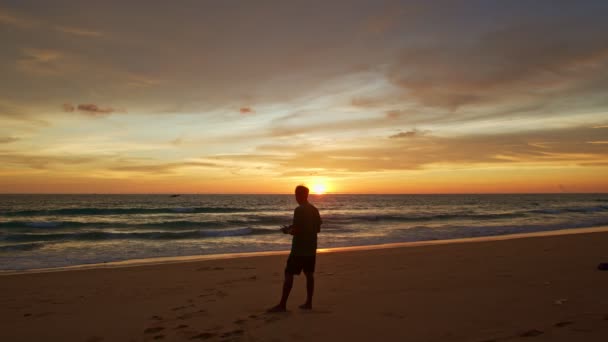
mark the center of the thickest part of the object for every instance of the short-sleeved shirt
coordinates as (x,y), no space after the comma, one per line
(307,221)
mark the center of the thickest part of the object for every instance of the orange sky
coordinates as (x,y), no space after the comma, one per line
(384,97)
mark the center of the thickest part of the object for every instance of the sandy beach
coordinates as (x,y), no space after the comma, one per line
(540,288)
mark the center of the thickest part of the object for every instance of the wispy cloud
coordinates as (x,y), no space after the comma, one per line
(246,110)
(409,134)
(162,167)
(89,109)
(40,161)
(524,63)
(79,31)
(10,18)
(19,113)
(557,147)
(94,110)
(41,62)
(21,21)
(68,107)
(388,18)
(7,140)
(141,81)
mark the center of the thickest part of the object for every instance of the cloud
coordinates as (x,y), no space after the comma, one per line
(78,31)
(408,134)
(40,161)
(306,122)
(7,140)
(141,81)
(385,20)
(89,109)
(554,148)
(528,63)
(13,159)
(94,110)
(12,19)
(162,167)
(22,22)
(68,108)
(10,110)
(41,62)
(246,110)
(393,114)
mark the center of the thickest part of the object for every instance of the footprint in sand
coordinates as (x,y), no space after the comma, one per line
(153,330)
(187,315)
(531,333)
(43,314)
(181,326)
(159,337)
(392,315)
(94,339)
(210,268)
(183,307)
(563,324)
(233,333)
(247,278)
(203,336)
(271,319)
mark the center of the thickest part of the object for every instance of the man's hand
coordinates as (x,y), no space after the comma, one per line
(289,230)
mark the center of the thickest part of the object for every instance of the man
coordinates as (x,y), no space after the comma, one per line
(306,225)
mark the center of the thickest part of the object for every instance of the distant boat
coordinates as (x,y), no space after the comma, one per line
(175,195)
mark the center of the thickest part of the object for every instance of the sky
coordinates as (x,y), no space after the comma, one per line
(259,96)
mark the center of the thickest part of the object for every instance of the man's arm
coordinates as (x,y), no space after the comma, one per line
(293,229)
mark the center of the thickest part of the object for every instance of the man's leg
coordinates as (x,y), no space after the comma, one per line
(310,289)
(287,285)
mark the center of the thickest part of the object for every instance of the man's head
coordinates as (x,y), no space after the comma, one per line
(301,194)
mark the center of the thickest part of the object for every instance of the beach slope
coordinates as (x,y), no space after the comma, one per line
(530,289)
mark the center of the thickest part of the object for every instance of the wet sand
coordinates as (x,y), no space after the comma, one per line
(541,288)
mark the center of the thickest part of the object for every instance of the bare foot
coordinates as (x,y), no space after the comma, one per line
(306,306)
(278,308)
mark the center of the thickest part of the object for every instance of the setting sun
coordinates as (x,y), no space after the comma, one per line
(318,189)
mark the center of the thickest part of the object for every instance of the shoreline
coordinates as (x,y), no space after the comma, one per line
(544,285)
(197,258)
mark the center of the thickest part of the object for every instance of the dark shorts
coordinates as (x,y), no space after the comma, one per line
(295,264)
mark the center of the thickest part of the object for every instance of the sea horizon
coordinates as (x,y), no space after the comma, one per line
(49,230)
(312,194)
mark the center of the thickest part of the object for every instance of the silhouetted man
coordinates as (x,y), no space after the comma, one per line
(306,225)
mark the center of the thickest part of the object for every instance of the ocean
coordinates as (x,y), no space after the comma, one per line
(47,231)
